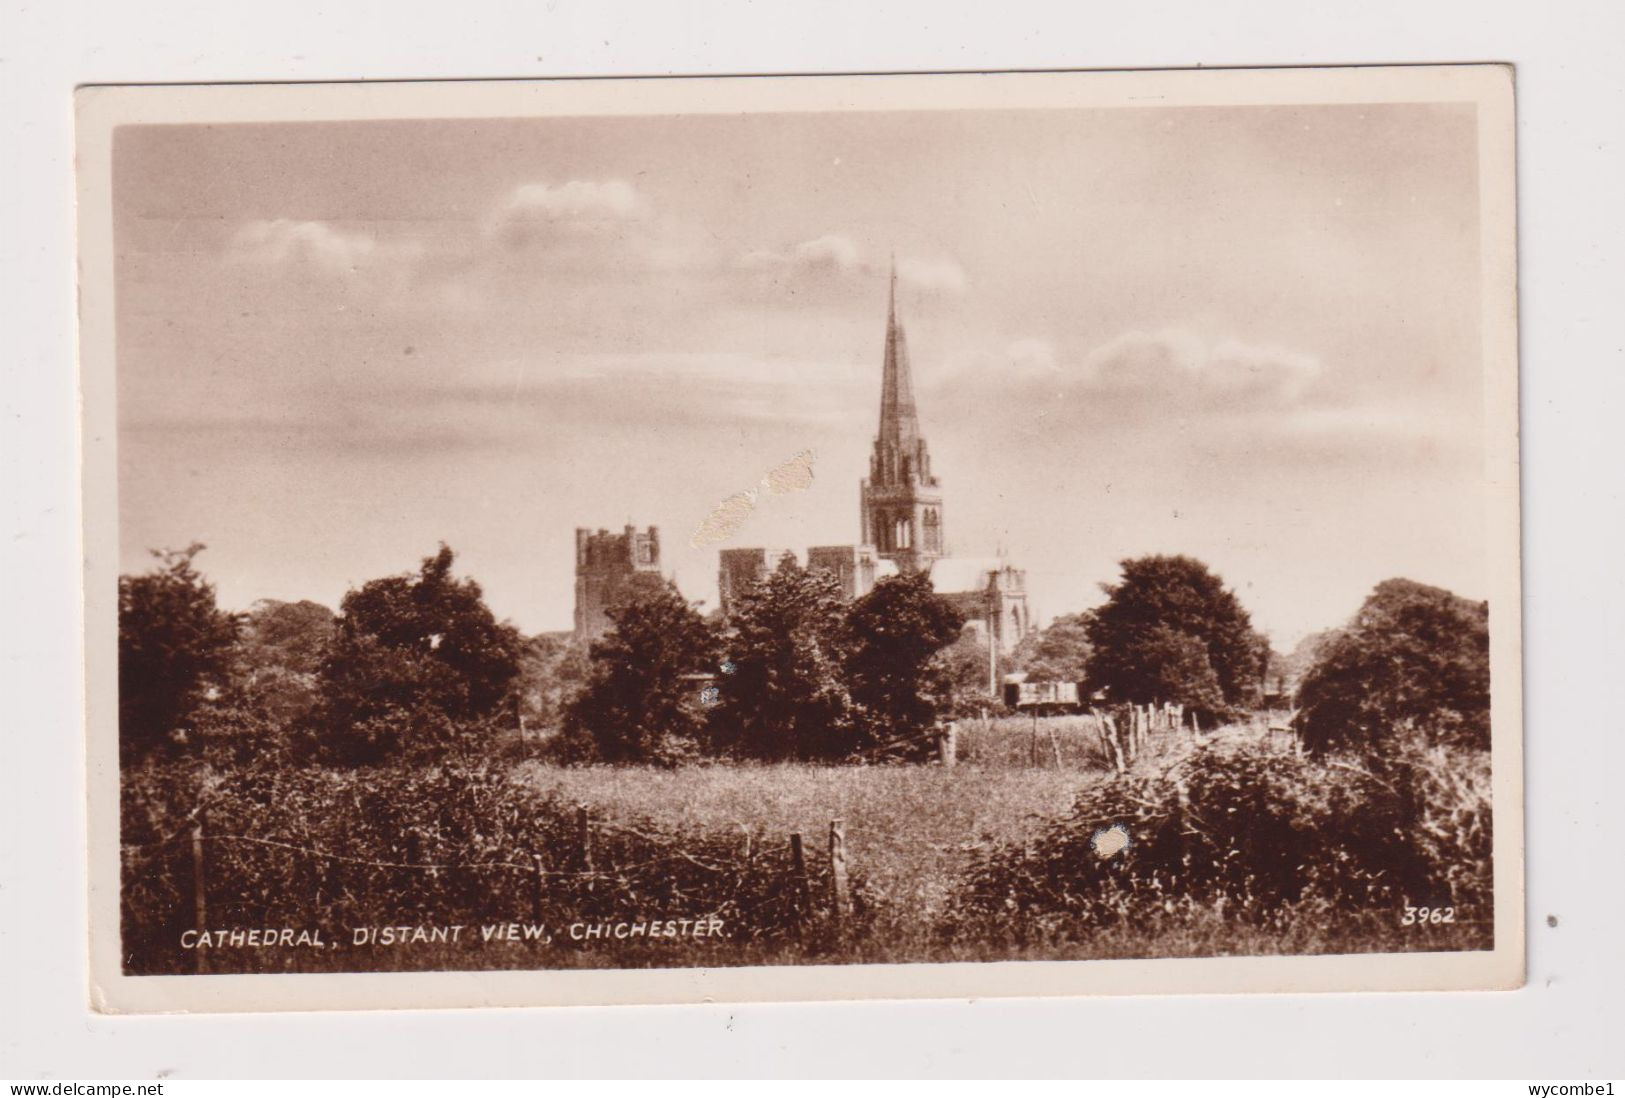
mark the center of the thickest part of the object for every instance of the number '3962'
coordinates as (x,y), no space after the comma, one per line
(1421,916)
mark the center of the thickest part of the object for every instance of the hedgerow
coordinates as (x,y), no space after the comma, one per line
(1259,836)
(459,843)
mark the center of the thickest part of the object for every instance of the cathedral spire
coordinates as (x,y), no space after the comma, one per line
(901,501)
(899,420)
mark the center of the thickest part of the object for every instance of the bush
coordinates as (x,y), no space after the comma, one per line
(450,844)
(1415,658)
(1258,836)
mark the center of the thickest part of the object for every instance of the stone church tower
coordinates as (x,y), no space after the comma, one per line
(901,501)
(606,565)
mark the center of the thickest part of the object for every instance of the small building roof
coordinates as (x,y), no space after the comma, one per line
(952,575)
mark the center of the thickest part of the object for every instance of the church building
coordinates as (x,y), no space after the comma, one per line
(901,521)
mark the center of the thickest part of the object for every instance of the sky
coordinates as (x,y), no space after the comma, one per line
(1247,334)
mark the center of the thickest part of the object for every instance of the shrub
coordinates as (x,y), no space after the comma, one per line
(450,844)
(1258,836)
(1414,658)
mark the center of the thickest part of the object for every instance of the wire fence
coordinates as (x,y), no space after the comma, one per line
(585,868)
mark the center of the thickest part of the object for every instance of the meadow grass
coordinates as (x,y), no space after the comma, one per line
(915,835)
(910,830)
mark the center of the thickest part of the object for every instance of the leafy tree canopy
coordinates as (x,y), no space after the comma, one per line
(1414,658)
(1137,656)
(279,658)
(784,694)
(290,635)
(638,705)
(894,632)
(1057,653)
(552,671)
(963,665)
(175,651)
(414,656)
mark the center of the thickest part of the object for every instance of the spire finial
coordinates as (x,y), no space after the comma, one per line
(891,299)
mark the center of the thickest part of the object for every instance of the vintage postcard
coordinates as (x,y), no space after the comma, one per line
(672,540)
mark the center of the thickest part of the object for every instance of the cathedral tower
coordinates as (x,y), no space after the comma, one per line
(901,500)
(606,567)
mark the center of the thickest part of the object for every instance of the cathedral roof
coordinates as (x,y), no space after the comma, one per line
(955,575)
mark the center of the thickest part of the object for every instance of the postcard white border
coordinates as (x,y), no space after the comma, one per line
(102,109)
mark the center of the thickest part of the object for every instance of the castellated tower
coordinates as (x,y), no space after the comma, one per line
(605,565)
(901,502)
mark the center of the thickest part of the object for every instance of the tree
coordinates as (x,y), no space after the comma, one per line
(279,658)
(637,704)
(415,660)
(894,632)
(783,694)
(963,665)
(1414,659)
(1285,671)
(552,672)
(1173,667)
(1166,628)
(1057,653)
(175,649)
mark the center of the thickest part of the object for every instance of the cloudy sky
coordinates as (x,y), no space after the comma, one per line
(1248,334)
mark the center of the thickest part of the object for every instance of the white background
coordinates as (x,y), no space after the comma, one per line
(1565,1024)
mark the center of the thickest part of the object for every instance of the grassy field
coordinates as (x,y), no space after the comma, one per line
(910,830)
(915,834)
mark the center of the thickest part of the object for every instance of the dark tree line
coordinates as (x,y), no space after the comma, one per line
(409,665)
(796,671)
(415,665)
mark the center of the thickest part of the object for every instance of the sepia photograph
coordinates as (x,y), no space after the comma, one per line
(660,540)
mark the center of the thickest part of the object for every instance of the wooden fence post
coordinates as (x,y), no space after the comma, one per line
(583,839)
(538,889)
(200,909)
(1055,744)
(1114,741)
(948,745)
(840,896)
(798,873)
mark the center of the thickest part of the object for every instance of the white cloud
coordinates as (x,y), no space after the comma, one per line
(537,210)
(284,241)
(1182,367)
(1031,358)
(833,256)
(826,253)
(943,277)
(830,253)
